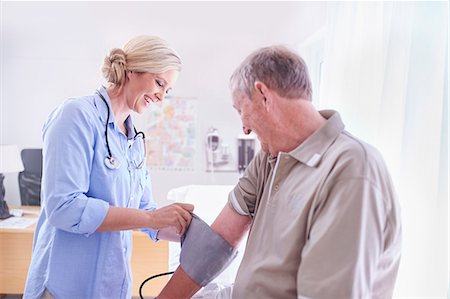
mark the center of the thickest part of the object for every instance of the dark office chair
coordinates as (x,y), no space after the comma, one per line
(30,178)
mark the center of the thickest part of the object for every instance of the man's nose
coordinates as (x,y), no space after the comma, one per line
(246,130)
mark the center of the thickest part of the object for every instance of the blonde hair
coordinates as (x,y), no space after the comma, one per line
(143,54)
(279,68)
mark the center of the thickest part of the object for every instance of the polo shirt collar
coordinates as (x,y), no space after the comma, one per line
(311,151)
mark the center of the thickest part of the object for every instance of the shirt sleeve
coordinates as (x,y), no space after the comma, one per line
(68,153)
(344,242)
(244,196)
(147,203)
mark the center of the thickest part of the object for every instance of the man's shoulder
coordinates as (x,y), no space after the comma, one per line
(357,157)
(360,149)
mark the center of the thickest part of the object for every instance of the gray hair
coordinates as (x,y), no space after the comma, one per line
(144,54)
(279,68)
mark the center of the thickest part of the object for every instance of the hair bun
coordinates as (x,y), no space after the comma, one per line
(117,56)
(115,66)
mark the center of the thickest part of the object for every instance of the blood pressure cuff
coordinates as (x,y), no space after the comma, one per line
(204,253)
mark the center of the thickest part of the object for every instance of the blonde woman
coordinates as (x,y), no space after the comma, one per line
(95,186)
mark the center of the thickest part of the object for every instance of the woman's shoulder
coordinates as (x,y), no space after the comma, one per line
(73,110)
(83,105)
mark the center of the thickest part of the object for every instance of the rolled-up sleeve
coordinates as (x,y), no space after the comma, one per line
(147,203)
(69,138)
(244,195)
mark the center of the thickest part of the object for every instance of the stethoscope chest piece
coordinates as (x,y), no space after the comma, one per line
(112,163)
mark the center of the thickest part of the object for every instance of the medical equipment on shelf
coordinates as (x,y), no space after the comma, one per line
(246,151)
(110,161)
(217,153)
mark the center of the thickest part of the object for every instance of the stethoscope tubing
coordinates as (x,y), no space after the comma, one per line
(110,161)
(106,126)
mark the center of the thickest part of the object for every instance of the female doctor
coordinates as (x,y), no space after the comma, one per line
(95,187)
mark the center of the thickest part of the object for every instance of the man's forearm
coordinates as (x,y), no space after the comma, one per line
(231,227)
(180,286)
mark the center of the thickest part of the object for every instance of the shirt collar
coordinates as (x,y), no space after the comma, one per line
(311,151)
(103,111)
(130,127)
(101,107)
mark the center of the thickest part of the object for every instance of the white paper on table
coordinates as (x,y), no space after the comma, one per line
(17,222)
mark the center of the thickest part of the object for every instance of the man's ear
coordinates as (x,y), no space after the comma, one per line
(264,91)
(260,87)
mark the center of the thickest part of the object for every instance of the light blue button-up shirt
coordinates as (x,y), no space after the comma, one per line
(70,258)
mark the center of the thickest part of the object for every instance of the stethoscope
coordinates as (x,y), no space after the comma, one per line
(110,161)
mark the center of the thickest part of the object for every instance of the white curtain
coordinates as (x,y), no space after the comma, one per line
(385,69)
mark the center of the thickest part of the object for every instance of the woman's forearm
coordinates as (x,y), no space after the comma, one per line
(125,219)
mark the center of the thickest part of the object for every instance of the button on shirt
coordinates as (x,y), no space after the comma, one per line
(69,257)
(325,224)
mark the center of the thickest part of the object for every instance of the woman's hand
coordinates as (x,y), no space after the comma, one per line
(177,215)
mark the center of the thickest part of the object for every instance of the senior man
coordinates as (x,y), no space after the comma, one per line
(319,203)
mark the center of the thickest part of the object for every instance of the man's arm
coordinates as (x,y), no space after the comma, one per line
(231,226)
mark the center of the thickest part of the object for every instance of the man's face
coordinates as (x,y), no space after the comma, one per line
(252,114)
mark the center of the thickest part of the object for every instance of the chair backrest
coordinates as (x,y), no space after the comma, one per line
(30,178)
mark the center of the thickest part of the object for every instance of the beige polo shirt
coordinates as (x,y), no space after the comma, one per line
(326,221)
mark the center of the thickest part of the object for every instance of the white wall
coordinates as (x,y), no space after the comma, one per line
(54,50)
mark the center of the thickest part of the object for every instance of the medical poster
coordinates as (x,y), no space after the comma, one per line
(170,134)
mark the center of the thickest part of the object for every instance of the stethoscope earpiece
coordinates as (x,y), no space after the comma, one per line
(112,163)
